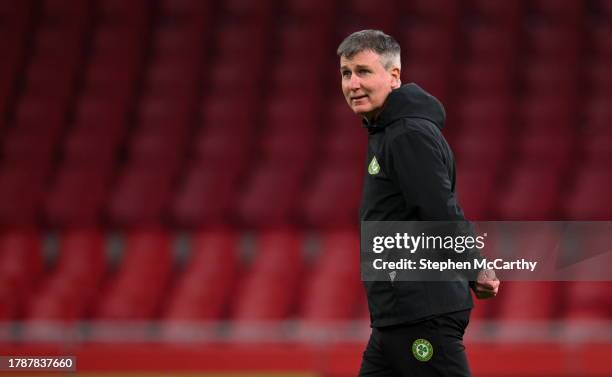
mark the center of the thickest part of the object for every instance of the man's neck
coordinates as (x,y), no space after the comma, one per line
(372,115)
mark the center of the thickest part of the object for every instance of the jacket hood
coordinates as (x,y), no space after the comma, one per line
(409,101)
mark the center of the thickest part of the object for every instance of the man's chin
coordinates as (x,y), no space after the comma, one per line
(368,114)
(362,110)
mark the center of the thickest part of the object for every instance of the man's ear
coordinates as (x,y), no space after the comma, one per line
(396,81)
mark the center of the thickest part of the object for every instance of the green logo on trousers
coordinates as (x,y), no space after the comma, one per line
(373,168)
(422,350)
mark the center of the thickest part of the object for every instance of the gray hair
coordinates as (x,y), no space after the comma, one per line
(373,40)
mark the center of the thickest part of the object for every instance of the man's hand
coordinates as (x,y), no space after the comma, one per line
(487,284)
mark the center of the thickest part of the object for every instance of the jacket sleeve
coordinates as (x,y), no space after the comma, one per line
(425,179)
(423,176)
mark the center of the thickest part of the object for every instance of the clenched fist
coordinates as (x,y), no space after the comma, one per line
(486,285)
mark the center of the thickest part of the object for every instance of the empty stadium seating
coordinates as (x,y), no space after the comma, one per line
(222,119)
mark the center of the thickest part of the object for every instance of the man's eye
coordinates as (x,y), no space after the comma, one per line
(346,74)
(364,71)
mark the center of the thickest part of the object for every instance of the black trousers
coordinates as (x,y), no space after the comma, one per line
(432,347)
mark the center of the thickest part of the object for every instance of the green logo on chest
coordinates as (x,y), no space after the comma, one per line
(374,168)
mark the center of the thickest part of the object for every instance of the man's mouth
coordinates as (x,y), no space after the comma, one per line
(355,98)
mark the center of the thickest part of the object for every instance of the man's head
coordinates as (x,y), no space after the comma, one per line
(370,67)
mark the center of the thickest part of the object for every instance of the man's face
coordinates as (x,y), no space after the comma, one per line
(366,83)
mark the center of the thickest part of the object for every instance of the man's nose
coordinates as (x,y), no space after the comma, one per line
(355,83)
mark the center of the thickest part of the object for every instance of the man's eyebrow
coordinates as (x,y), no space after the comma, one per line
(358,66)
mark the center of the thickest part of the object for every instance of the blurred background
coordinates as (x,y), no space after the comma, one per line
(179,179)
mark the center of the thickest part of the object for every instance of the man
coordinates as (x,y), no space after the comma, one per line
(417,327)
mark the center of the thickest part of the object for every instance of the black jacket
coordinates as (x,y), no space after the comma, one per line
(413,179)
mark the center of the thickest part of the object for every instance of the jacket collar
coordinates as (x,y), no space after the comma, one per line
(408,101)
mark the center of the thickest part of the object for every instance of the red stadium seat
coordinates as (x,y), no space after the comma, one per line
(186,9)
(140,196)
(51,78)
(94,110)
(207,196)
(599,77)
(479,77)
(539,148)
(91,147)
(269,290)
(205,289)
(598,114)
(270,196)
(334,196)
(68,294)
(225,84)
(219,113)
(442,12)
(299,45)
(56,44)
(167,112)
(21,268)
(301,114)
(293,75)
(428,42)
(333,289)
(587,199)
(550,77)
(160,145)
(508,12)
(118,13)
(482,148)
(585,299)
(175,77)
(558,42)
(492,43)
(34,112)
(588,300)
(311,10)
(32,148)
(259,12)
(179,43)
(431,76)
(604,7)
(349,145)
(531,300)
(567,11)
(137,290)
(238,40)
(15,15)
(82,253)
(551,113)
(21,195)
(218,149)
(293,147)
(62,12)
(112,77)
(78,196)
(597,148)
(373,15)
(530,194)
(488,114)
(474,188)
(9,67)
(601,42)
